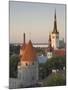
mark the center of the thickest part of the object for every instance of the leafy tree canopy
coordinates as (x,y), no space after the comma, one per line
(14,59)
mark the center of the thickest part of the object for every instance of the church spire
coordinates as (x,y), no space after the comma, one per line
(55,24)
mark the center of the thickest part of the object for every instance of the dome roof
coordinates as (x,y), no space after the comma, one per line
(29,53)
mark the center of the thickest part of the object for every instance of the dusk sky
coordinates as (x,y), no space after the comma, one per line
(36,20)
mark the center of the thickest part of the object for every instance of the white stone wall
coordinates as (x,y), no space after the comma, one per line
(14,83)
(28,74)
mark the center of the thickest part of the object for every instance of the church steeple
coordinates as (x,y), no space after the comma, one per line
(55,24)
(55,34)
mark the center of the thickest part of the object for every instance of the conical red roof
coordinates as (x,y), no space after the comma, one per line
(29,53)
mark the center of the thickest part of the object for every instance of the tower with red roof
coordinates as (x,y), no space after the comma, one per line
(28,65)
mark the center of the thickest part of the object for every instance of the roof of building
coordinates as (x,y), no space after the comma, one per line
(29,53)
(59,52)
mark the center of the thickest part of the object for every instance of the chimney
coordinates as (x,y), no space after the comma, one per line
(24,38)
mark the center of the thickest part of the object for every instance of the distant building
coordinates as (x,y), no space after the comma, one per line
(61,43)
(55,35)
(59,52)
(56,47)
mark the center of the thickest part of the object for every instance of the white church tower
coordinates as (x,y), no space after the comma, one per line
(28,66)
(55,35)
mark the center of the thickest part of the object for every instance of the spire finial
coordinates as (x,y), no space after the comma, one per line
(24,37)
(55,14)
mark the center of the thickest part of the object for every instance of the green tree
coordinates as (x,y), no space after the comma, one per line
(55,80)
(14,49)
(56,62)
(53,63)
(14,59)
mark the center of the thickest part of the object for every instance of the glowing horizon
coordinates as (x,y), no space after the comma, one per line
(37,19)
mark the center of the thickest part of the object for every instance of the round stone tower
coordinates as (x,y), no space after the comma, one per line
(28,65)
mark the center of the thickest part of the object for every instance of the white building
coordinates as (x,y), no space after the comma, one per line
(55,35)
(49,55)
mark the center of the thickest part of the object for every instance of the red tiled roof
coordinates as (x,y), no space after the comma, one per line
(59,52)
(29,53)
